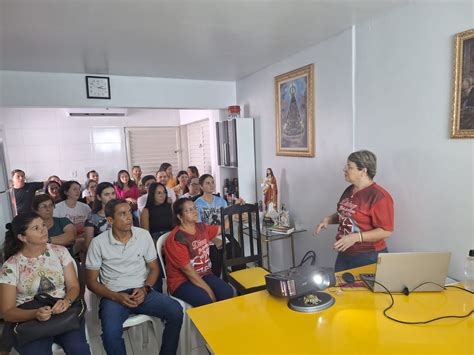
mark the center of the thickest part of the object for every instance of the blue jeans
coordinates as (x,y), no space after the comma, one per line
(350,261)
(73,342)
(196,296)
(113,315)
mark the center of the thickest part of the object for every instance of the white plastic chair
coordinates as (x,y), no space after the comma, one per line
(185,345)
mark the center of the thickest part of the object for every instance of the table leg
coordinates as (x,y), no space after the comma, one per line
(268,255)
(293,249)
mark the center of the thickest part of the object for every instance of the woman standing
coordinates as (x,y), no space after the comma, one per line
(182,186)
(188,265)
(35,266)
(96,222)
(60,229)
(364,214)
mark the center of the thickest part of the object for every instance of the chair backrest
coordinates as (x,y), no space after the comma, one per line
(248,231)
(159,249)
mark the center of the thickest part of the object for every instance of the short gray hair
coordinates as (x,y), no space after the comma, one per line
(365,159)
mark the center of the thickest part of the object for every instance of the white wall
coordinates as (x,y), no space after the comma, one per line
(31,89)
(44,141)
(402,90)
(310,187)
(403,107)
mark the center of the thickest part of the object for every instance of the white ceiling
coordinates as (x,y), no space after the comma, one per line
(213,40)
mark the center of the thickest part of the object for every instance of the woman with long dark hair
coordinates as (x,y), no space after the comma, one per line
(157,216)
(182,186)
(35,266)
(126,189)
(188,266)
(96,222)
(53,189)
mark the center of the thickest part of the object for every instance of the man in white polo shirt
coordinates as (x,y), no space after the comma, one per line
(121,268)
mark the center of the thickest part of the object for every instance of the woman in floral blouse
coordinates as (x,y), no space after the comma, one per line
(34,266)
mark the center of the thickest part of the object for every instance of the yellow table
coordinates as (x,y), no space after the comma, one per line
(262,324)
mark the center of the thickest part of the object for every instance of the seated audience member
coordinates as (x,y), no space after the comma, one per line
(71,208)
(96,222)
(162,178)
(52,188)
(171,182)
(147,180)
(91,175)
(157,216)
(27,272)
(194,189)
(56,179)
(137,177)
(182,186)
(193,172)
(126,189)
(91,186)
(61,231)
(124,260)
(24,192)
(188,267)
(209,212)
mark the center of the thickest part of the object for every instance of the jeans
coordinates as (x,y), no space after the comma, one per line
(196,296)
(73,343)
(350,261)
(113,315)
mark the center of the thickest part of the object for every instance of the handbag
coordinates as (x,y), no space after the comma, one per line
(56,325)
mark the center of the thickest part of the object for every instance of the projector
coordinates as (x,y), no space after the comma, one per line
(299,281)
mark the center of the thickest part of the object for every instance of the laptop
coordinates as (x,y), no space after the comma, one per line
(397,271)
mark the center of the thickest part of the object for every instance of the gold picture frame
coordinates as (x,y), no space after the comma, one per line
(294,112)
(462,121)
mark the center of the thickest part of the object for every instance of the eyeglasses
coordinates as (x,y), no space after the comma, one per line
(190,209)
(46,206)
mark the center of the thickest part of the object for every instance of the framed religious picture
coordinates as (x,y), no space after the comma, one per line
(294,111)
(463,86)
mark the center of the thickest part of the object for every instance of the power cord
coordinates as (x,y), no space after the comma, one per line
(407,292)
(310,254)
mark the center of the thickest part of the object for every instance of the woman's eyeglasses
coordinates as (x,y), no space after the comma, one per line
(190,209)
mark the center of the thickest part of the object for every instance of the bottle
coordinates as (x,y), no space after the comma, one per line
(469,271)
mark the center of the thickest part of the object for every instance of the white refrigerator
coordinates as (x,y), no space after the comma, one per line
(5,201)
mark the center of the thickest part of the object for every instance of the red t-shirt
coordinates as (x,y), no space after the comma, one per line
(365,210)
(182,248)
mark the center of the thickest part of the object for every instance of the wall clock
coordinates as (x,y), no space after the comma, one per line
(98,87)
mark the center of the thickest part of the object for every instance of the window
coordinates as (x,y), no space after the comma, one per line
(149,147)
(199,146)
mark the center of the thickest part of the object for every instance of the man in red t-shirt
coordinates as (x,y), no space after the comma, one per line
(365,215)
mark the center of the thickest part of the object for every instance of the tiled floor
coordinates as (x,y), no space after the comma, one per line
(133,338)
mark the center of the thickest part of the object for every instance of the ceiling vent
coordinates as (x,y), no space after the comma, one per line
(96,112)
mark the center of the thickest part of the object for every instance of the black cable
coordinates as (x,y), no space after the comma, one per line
(426,321)
(310,254)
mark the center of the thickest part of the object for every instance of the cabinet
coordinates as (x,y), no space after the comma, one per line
(236,155)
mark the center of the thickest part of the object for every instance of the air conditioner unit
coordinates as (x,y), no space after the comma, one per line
(96,112)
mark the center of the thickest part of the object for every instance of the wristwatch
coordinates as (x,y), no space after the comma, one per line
(147,289)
